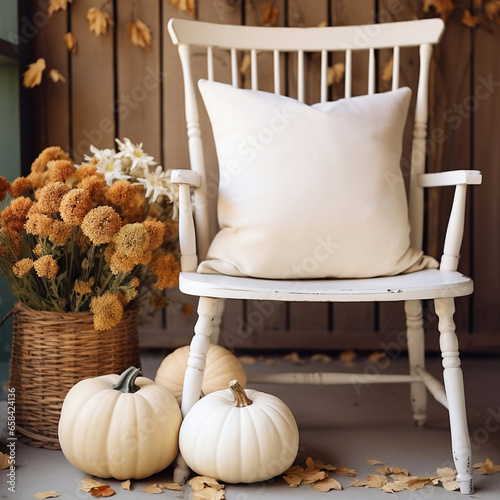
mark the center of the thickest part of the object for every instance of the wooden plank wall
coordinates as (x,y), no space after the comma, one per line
(115,89)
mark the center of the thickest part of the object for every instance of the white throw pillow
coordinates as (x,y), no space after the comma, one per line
(309,191)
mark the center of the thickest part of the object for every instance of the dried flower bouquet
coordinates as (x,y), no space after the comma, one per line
(101,236)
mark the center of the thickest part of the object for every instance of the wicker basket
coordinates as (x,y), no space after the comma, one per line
(53,351)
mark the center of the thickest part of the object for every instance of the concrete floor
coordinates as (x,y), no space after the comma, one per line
(341,425)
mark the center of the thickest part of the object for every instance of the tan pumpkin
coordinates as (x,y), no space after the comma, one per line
(126,427)
(222,367)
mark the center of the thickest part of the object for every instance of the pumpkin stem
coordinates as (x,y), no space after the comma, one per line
(240,398)
(126,382)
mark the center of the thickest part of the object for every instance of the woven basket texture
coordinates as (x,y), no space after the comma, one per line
(53,351)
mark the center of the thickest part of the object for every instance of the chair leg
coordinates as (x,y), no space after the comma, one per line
(193,379)
(416,355)
(214,338)
(454,386)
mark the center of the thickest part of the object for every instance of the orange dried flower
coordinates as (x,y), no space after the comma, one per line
(22,267)
(156,232)
(37,250)
(13,239)
(46,267)
(96,187)
(39,224)
(121,263)
(101,224)
(4,188)
(166,269)
(37,179)
(135,282)
(48,154)
(75,205)
(60,170)
(14,216)
(82,287)
(107,309)
(171,230)
(158,301)
(85,170)
(132,240)
(50,196)
(121,193)
(19,186)
(60,232)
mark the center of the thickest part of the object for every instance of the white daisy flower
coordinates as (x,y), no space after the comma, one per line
(157,183)
(108,164)
(135,153)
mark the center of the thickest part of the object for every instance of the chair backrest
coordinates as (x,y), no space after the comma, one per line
(252,41)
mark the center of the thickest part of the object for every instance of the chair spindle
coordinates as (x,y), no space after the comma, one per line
(348,73)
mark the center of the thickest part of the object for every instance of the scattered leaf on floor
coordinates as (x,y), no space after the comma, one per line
(345,472)
(371,461)
(126,484)
(321,357)
(347,357)
(387,470)
(200,482)
(371,481)
(318,464)
(89,483)
(327,484)
(292,480)
(46,494)
(209,494)
(152,488)
(488,467)
(4,461)
(103,491)
(170,486)
(417,483)
(294,358)
(380,358)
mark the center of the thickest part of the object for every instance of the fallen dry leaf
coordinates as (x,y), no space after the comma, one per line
(492,10)
(55,5)
(46,494)
(247,360)
(371,461)
(294,358)
(170,486)
(345,472)
(321,357)
(488,467)
(347,357)
(209,494)
(139,33)
(270,14)
(55,76)
(70,42)
(393,487)
(417,483)
(292,480)
(99,20)
(153,489)
(469,20)
(33,75)
(327,484)
(335,73)
(318,464)
(5,461)
(184,5)
(126,484)
(200,482)
(103,491)
(89,483)
(378,357)
(371,481)
(387,470)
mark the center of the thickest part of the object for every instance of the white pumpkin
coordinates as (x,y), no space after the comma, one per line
(239,436)
(125,427)
(222,367)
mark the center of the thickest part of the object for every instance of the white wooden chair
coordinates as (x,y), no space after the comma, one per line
(195,231)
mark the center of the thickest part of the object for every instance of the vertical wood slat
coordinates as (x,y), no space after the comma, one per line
(210,64)
(277,72)
(395,68)
(234,68)
(300,75)
(254,69)
(324,74)
(371,72)
(348,74)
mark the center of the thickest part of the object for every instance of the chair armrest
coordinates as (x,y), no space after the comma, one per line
(450,178)
(455,229)
(186,179)
(183,176)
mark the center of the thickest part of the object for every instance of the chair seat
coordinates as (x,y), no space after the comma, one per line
(428,284)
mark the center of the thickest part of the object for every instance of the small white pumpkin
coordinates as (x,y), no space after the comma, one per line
(125,427)
(239,436)
(222,367)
